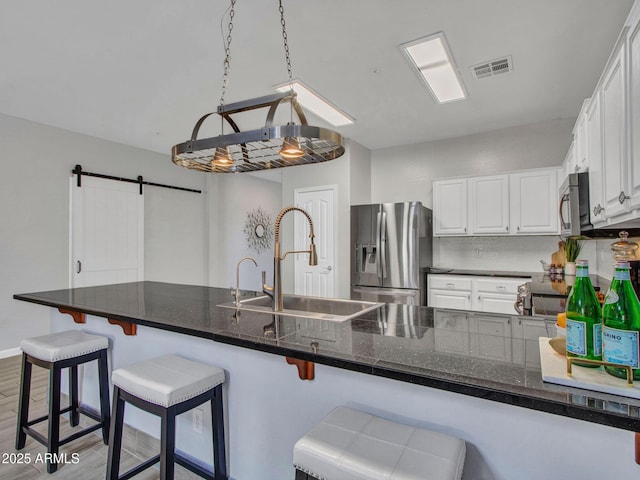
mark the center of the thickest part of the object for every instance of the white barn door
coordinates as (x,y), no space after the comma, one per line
(107,232)
(317,281)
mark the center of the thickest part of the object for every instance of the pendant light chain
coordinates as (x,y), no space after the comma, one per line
(227,52)
(286,44)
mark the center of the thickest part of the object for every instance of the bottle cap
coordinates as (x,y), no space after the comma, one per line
(582,263)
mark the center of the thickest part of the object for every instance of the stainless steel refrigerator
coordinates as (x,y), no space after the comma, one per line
(391,246)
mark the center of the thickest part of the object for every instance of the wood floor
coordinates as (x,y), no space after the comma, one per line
(91,451)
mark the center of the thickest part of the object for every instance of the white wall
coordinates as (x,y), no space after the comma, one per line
(35,168)
(351,176)
(231,197)
(407,172)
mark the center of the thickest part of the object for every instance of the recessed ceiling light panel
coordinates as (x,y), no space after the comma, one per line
(432,59)
(315,103)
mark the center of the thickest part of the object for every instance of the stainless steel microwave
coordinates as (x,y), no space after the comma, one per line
(575,215)
(574,205)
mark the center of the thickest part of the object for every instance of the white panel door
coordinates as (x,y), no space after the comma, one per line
(107,232)
(594,154)
(319,280)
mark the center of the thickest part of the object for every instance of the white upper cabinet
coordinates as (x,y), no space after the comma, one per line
(634,116)
(594,155)
(534,202)
(580,140)
(521,203)
(613,122)
(489,205)
(450,203)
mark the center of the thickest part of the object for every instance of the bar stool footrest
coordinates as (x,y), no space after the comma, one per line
(194,467)
(139,468)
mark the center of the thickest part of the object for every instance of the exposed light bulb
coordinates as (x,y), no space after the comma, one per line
(222,157)
(291,148)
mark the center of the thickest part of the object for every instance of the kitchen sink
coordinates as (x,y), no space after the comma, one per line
(332,309)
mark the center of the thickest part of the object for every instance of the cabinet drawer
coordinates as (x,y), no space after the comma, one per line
(450,282)
(500,285)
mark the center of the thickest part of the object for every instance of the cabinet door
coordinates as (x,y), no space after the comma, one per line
(495,302)
(489,205)
(534,202)
(456,299)
(490,337)
(569,163)
(581,139)
(613,148)
(450,207)
(634,127)
(594,154)
(451,332)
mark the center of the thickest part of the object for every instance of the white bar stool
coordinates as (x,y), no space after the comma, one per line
(55,352)
(352,445)
(167,386)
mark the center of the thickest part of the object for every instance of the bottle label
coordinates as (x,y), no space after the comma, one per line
(622,274)
(576,337)
(612,297)
(597,339)
(582,271)
(620,346)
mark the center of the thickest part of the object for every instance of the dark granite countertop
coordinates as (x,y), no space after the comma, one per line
(421,345)
(482,273)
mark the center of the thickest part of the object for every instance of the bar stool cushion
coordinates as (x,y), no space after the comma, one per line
(63,345)
(167,380)
(352,445)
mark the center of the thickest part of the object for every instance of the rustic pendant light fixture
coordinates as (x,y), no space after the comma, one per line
(271,146)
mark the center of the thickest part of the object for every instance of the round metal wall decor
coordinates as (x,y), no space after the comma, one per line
(258,230)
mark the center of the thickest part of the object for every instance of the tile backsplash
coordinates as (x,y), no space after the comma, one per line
(518,254)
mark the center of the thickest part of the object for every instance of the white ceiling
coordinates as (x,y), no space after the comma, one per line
(142,72)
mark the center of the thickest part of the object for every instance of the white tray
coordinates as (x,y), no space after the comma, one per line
(554,370)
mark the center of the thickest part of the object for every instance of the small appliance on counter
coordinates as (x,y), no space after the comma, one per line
(548,295)
(626,251)
(391,243)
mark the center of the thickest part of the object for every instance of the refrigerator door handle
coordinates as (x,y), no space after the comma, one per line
(383,244)
(378,262)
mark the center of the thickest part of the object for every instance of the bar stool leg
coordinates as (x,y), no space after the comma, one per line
(74,414)
(115,436)
(23,407)
(54,417)
(167,443)
(217,425)
(103,374)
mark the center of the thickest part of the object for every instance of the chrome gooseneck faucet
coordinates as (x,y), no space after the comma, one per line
(277,258)
(236,294)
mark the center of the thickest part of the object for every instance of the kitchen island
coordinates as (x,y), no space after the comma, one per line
(439,369)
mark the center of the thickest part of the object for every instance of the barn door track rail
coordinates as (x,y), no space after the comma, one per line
(79,172)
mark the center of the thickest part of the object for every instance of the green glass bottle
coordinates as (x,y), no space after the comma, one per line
(584,318)
(621,320)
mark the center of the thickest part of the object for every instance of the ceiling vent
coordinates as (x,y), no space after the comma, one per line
(492,68)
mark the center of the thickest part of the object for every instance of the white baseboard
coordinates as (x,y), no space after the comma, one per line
(11,352)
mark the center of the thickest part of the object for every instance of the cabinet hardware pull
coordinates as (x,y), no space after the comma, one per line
(79,265)
(507,227)
(597,210)
(622,197)
(450,285)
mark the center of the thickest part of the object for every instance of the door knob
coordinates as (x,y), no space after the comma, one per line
(329,268)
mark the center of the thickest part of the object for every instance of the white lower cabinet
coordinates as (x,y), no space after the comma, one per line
(470,292)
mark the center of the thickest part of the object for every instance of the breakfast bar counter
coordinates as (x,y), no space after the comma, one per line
(445,350)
